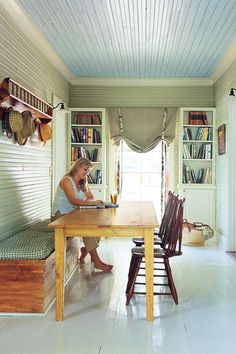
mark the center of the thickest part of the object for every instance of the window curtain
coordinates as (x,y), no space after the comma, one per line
(142,128)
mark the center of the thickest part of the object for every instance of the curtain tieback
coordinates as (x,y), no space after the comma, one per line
(121,121)
(164,124)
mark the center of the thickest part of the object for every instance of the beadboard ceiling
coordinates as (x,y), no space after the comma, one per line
(137,39)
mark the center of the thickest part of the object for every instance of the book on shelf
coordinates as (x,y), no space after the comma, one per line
(74,135)
(186,153)
(193,177)
(96,155)
(188,175)
(99,155)
(79,151)
(190,151)
(205,152)
(96,119)
(86,118)
(204,175)
(85,135)
(187,134)
(193,151)
(96,136)
(187,178)
(204,134)
(90,179)
(197,118)
(96,178)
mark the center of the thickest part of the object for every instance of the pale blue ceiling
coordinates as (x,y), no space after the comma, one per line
(136,38)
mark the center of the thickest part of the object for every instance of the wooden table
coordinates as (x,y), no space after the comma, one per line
(131,219)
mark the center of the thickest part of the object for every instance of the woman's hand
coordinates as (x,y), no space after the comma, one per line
(98,202)
(89,196)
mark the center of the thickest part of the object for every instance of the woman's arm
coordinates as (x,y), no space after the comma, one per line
(67,187)
(89,195)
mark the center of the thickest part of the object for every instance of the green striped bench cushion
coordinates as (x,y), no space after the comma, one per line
(41,226)
(27,244)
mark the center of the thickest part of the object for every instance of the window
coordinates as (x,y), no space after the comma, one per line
(142,176)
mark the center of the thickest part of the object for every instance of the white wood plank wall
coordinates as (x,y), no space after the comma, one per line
(144,96)
(223,193)
(25,184)
(25,180)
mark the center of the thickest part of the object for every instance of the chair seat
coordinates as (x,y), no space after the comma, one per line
(158,252)
(139,241)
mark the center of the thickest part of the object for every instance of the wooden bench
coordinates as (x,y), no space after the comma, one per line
(27,269)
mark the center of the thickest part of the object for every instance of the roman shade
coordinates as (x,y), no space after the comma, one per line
(142,128)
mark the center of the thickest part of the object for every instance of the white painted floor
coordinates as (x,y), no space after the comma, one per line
(98,322)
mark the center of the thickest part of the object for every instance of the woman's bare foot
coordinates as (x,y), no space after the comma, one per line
(98,264)
(103,266)
(83,255)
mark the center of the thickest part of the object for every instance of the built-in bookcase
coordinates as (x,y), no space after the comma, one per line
(197,163)
(87,139)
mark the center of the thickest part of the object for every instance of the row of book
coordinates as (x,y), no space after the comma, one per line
(85,135)
(197,118)
(96,178)
(203,175)
(86,118)
(202,134)
(193,151)
(79,151)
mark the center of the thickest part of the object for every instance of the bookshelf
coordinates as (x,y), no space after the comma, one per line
(197,163)
(87,139)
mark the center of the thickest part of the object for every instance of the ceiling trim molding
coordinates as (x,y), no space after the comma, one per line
(35,36)
(140,82)
(225,62)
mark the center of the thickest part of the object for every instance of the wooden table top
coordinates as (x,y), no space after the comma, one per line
(129,213)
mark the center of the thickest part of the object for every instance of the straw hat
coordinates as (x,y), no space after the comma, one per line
(7,125)
(28,128)
(45,132)
(15,121)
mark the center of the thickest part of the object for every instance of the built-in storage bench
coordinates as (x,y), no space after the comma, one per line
(27,269)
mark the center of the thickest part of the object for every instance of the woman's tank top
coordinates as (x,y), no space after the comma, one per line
(61,202)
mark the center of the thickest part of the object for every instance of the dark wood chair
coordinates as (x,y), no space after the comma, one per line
(159,234)
(170,247)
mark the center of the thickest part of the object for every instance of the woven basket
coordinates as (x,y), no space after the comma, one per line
(194,237)
(195,234)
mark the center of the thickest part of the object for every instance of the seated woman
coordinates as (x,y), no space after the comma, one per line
(73,191)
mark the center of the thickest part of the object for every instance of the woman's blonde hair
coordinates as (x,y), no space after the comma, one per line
(82,162)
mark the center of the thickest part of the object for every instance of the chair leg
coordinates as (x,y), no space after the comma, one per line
(171,280)
(131,271)
(136,261)
(135,266)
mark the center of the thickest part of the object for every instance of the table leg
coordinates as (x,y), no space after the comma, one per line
(60,261)
(148,243)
